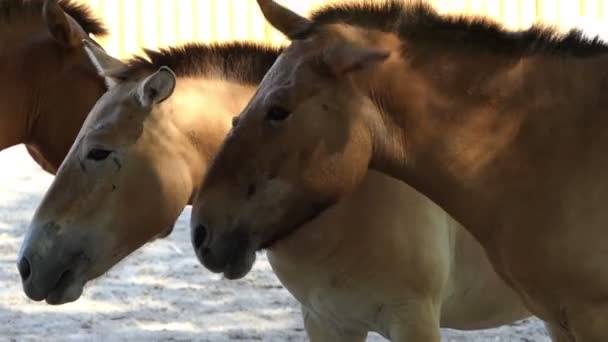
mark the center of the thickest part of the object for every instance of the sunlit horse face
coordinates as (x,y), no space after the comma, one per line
(111,194)
(300,144)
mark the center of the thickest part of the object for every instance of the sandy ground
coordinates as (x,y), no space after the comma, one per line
(158,293)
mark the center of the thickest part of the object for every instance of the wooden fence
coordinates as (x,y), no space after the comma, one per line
(153,23)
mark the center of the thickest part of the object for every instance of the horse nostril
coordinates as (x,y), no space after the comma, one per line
(199,236)
(25,270)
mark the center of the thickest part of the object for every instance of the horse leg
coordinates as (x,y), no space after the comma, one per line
(319,332)
(417,321)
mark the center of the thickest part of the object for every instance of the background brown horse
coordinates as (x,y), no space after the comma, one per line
(49,83)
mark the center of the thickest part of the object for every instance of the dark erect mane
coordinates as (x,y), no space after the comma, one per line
(242,62)
(420,23)
(14,10)
(84,17)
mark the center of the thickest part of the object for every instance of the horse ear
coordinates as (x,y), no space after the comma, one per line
(59,24)
(103,62)
(291,24)
(157,87)
(347,58)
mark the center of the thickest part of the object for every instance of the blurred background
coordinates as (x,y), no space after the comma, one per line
(167,22)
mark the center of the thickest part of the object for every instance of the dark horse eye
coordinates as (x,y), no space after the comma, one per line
(98,154)
(235,121)
(277,114)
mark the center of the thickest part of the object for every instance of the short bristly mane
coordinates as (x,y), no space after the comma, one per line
(236,61)
(420,23)
(18,10)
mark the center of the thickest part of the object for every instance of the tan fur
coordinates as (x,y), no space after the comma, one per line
(402,269)
(510,142)
(159,154)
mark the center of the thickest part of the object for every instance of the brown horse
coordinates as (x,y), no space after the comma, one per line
(507,132)
(41,50)
(140,158)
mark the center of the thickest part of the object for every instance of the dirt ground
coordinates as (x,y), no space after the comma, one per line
(160,293)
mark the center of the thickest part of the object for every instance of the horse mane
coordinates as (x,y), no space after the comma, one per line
(17,10)
(237,61)
(419,22)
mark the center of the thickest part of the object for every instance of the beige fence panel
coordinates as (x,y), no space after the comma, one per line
(155,23)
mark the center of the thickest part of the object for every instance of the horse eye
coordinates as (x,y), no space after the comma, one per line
(235,121)
(98,154)
(277,114)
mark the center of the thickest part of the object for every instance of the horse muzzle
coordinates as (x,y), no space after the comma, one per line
(232,253)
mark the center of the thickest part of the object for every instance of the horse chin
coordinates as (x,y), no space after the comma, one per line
(285,233)
(71,283)
(239,270)
(68,289)
(232,266)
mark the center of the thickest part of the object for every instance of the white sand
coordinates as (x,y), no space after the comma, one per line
(160,292)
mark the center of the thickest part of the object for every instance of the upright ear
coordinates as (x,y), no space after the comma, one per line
(157,87)
(59,24)
(103,62)
(346,58)
(291,24)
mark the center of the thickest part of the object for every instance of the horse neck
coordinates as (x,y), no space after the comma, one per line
(15,98)
(56,120)
(206,108)
(44,108)
(461,125)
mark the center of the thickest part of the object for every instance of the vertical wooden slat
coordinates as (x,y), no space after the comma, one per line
(140,28)
(186,30)
(581,8)
(109,11)
(240,27)
(148,28)
(510,14)
(129,26)
(527,14)
(176,20)
(548,12)
(569,12)
(222,20)
(493,9)
(477,7)
(166,22)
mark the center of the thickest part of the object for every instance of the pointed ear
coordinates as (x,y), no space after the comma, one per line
(59,25)
(347,58)
(157,87)
(291,24)
(103,62)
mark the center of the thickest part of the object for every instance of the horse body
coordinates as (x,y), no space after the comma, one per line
(505,131)
(530,164)
(140,158)
(41,48)
(417,270)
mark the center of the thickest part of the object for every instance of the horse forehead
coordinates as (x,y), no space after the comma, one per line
(286,74)
(114,106)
